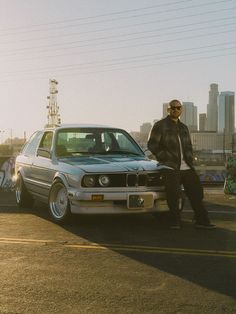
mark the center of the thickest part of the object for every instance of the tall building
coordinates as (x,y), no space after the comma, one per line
(212,108)
(202,122)
(226,119)
(164,109)
(145,128)
(189,115)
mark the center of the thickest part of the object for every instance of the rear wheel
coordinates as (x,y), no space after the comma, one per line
(59,204)
(23,198)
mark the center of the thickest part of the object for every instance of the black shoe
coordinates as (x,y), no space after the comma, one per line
(206,225)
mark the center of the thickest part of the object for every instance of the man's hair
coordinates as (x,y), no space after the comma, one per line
(172,102)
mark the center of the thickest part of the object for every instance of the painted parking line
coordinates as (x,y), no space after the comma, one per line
(157,250)
(25,241)
(123,247)
(233,212)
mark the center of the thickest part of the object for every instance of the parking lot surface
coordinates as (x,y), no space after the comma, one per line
(117,264)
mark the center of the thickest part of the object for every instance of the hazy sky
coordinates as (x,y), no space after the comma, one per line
(116,61)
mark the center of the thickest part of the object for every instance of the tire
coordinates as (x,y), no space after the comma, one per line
(58,203)
(23,198)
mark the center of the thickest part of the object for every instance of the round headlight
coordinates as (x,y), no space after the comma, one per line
(104,180)
(89,181)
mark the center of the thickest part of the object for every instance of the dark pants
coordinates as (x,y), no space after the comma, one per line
(193,190)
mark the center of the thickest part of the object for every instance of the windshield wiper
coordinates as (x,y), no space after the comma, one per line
(123,152)
(120,152)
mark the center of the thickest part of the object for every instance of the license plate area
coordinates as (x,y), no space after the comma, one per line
(140,201)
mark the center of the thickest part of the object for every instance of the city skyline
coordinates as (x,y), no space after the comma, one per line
(219,117)
(116,63)
(190,115)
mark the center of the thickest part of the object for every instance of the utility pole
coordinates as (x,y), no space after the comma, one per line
(53,109)
(224,154)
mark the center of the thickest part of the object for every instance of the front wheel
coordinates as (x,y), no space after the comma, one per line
(23,198)
(59,205)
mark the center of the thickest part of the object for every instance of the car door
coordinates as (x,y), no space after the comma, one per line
(42,169)
(25,158)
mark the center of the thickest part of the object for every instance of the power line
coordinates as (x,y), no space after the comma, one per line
(129,17)
(124,47)
(16,51)
(110,63)
(125,69)
(133,58)
(100,15)
(128,34)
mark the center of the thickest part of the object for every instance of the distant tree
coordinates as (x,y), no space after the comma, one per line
(14,141)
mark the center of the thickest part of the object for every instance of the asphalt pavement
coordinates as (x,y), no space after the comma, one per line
(117,264)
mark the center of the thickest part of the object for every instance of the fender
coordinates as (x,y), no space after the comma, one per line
(61,177)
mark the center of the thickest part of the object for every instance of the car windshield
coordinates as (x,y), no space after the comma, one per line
(81,141)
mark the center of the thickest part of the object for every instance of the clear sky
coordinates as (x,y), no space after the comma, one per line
(116,61)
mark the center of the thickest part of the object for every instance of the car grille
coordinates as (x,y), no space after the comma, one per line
(151,179)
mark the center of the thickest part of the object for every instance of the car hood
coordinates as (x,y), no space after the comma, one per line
(113,164)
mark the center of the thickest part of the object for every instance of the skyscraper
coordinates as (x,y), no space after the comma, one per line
(226,120)
(164,109)
(189,115)
(212,108)
(145,128)
(202,122)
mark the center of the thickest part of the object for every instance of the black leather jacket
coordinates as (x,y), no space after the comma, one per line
(164,143)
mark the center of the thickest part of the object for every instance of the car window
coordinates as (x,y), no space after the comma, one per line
(123,142)
(95,140)
(69,142)
(32,144)
(119,141)
(46,141)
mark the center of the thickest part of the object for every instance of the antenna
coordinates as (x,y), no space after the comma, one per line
(53,109)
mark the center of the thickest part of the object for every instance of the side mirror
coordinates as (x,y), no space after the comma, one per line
(44,152)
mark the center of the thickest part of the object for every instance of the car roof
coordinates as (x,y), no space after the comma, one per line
(80,125)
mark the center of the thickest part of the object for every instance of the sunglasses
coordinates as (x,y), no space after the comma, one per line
(176,107)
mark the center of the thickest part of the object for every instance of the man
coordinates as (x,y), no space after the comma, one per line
(170,143)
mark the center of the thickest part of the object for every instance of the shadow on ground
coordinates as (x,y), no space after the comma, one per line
(145,230)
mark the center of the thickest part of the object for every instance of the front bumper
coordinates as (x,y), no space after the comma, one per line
(117,202)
